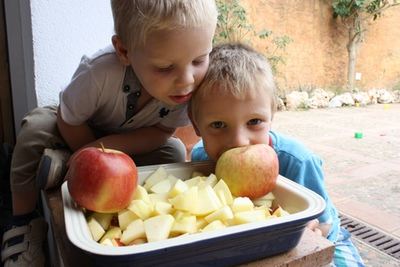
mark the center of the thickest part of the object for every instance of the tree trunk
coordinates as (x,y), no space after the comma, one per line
(352,48)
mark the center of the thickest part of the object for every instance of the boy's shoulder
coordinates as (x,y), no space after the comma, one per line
(103,58)
(102,63)
(290,147)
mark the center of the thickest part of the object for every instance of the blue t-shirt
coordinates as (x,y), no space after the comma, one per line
(300,165)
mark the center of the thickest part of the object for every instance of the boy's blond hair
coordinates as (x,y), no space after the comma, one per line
(134,20)
(239,70)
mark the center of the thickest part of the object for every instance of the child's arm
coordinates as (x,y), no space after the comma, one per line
(75,136)
(138,141)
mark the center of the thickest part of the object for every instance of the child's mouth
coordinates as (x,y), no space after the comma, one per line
(182,98)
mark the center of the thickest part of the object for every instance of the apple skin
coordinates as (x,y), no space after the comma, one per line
(249,171)
(102,180)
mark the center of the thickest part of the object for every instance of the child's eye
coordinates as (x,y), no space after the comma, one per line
(164,69)
(217,125)
(198,62)
(254,122)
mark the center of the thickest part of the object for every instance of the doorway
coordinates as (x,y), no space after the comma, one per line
(7,132)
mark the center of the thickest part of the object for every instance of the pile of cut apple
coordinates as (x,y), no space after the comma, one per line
(166,207)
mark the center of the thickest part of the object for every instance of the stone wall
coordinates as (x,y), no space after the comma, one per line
(317,57)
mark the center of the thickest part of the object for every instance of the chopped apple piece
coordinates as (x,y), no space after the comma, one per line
(95,229)
(157,176)
(103,218)
(223,192)
(113,232)
(106,242)
(178,188)
(186,201)
(194,181)
(267,203)
(141,208)
(269,196)
(134,230)
(161,207)
(222,214)
(158,197)
(185,224)
(279,212)
(141,193)
(207,201)
(172,179)
(211,180)
(158,227)
(242,204)
(249,216)
(264,209)
(125,217)
(215,225)
(264,201)
(201,222)
(161,187)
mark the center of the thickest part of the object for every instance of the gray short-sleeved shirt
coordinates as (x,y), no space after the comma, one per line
(96,96)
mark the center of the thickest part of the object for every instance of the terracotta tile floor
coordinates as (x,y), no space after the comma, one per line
(362,175)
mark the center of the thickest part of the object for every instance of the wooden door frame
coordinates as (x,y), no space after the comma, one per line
(7,133)
(20,58)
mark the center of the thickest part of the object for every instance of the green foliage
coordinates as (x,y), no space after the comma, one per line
(233,26)
(357,8)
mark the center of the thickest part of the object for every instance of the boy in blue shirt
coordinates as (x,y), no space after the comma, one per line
(234,106)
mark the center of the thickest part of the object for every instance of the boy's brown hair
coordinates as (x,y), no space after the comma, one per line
(237,69)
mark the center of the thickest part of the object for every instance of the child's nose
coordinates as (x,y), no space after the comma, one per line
(185,78)
(238,139)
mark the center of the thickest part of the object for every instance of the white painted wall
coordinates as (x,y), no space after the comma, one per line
(62,31)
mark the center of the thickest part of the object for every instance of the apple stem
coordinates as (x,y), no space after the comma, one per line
(102,146)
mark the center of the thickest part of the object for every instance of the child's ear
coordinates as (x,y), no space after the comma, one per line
(120,50)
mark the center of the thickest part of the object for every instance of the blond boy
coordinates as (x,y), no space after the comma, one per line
(130,96)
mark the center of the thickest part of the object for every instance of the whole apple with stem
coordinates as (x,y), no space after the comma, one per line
(102,180)
(249,171)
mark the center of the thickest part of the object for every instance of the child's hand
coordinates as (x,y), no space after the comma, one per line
(314,226)
(319,228)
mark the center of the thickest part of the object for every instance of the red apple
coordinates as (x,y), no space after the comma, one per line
(102,180)
(249,171)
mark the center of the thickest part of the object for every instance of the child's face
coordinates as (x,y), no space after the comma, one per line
(225,122)
(172,63)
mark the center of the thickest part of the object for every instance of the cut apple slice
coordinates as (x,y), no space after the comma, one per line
(125,217)
(162,207)
(141,193)
(95,229)
(157,176)
(162,186)
(141,208)
(222,214)
(178,188)
(187,201)
(249,216)
(158,227)
(134,231)
(223,192)
(103,218)
(207,201)
(215,225)
(185,224)
(113,232)
(242,204)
